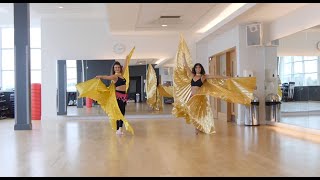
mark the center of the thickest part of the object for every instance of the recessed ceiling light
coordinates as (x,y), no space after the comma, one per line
(164,25)
(60,7)
(233,7)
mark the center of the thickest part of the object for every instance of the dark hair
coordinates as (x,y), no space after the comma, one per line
(194,69)
(116,63)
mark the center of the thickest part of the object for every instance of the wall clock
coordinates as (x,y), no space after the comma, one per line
(119,48)
(318,45)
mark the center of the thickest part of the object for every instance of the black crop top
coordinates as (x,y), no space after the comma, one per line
(120,82)
(196,83)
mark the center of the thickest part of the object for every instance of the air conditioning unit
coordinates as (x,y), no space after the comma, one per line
(254,34)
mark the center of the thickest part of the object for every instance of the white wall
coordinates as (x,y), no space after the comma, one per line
(252,59)
(202,55)
(248,58)
(88,39)
(223,69)
(300,44)
(211,46)
(216,44)
(303,18)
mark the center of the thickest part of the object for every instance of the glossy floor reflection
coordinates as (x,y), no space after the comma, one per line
(160,147)
(131,109)
(301,113)
(300,106)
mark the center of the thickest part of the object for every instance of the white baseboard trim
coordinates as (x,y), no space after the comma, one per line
(295,128)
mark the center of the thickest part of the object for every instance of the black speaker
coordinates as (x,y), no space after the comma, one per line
(254,34)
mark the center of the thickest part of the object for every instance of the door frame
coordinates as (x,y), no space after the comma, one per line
(214,69)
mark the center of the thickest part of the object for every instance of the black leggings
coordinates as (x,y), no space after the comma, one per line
(122,106)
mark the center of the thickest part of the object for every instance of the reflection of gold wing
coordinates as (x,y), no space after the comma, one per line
(151,87)
(154,92)
(165,91)
(234,90)
(126,72)
(106,97)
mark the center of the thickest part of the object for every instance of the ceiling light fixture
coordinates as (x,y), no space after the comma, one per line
(223,15)
(164,25)
(60,7)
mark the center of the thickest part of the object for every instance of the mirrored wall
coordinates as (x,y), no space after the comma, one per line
(299,74)
(71,72)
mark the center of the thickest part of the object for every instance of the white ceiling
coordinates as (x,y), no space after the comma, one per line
(143,18)
(129,17)
(69,10)
(262,12)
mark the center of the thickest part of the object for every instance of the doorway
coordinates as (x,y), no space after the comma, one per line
(224,64)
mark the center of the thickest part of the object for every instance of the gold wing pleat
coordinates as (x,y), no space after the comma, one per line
(106,97)
(126,72)
(165,91)
(235,90)
(200,114)
(151,89)
(154,92)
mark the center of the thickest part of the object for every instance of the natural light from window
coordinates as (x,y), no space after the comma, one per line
(7,57)
(303,70)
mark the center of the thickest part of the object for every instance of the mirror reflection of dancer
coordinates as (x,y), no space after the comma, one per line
(122,96)
(190,91)
(112,99)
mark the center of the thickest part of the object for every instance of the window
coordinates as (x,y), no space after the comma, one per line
(71,75)
(7,57)
(36,76)
(303,70)
(35,59)
(297,67)
(7,80)
(310,66)
(7,36)
(35,38)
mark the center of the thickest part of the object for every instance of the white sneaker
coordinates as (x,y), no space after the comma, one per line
(118,132)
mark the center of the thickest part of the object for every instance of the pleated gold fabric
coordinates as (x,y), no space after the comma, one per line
(106,96)
(126,73)
(153,99)
(165,91)
(196,109)
(154,92)
(235,90)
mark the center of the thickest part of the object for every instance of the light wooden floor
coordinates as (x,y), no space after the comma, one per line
(131,109)
(160,147)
